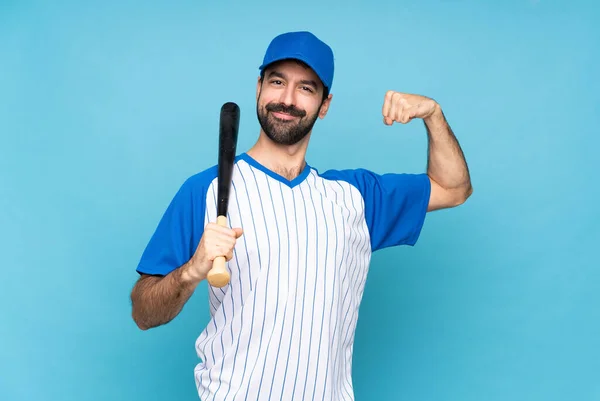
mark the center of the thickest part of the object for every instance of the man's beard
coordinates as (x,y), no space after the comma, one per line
(285,132)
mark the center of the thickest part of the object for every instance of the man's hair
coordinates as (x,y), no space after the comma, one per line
(303,64)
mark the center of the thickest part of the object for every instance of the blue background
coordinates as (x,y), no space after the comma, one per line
(107,106)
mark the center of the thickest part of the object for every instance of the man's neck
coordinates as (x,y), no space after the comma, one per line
(287,161)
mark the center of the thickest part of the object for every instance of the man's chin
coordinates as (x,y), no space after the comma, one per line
(284,139)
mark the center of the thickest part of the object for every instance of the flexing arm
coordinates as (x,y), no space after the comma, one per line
(446,165)
(157,300)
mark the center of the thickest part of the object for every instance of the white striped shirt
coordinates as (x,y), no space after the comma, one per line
(283,328)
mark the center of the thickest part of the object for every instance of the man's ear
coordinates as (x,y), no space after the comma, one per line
(325,106)
(258,86)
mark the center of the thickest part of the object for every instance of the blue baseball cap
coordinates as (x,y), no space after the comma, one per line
(303,46)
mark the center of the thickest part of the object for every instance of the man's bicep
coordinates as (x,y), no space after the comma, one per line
(437,200)
(441,198)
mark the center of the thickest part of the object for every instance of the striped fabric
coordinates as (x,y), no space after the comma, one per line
(283,328)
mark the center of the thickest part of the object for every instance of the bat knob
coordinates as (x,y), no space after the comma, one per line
(218,276)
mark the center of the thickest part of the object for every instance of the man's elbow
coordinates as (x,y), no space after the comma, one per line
(142,326)
(139,322)
(143,323)
(136,317)
(136,313)
(462,195)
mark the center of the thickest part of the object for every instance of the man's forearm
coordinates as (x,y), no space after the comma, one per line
(157,300)
(446,163)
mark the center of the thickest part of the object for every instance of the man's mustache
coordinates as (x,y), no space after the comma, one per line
(282,108)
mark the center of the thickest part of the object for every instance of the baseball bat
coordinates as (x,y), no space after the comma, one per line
(229,125)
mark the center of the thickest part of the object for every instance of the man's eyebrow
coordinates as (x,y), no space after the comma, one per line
(278,74)
(309,82)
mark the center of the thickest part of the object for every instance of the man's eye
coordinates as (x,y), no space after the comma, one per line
(307,88)
(276,82)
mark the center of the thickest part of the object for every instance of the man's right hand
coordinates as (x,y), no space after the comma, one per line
(216,241)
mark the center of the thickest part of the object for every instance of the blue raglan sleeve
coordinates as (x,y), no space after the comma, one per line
(178,232)
(395,206)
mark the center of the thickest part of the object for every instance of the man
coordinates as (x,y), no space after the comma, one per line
(299,242)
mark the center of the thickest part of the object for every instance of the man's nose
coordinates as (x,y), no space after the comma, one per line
(288,96)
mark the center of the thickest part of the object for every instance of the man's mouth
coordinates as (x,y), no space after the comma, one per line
(283,116)
(285,113)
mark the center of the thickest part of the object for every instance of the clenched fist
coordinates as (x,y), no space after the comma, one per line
(403,107)
(216,241)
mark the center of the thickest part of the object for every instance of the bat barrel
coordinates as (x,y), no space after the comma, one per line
(229,125)
(228,135)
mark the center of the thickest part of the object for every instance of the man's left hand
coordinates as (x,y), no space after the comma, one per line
(403,107)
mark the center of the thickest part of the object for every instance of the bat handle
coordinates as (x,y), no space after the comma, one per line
(218,276)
